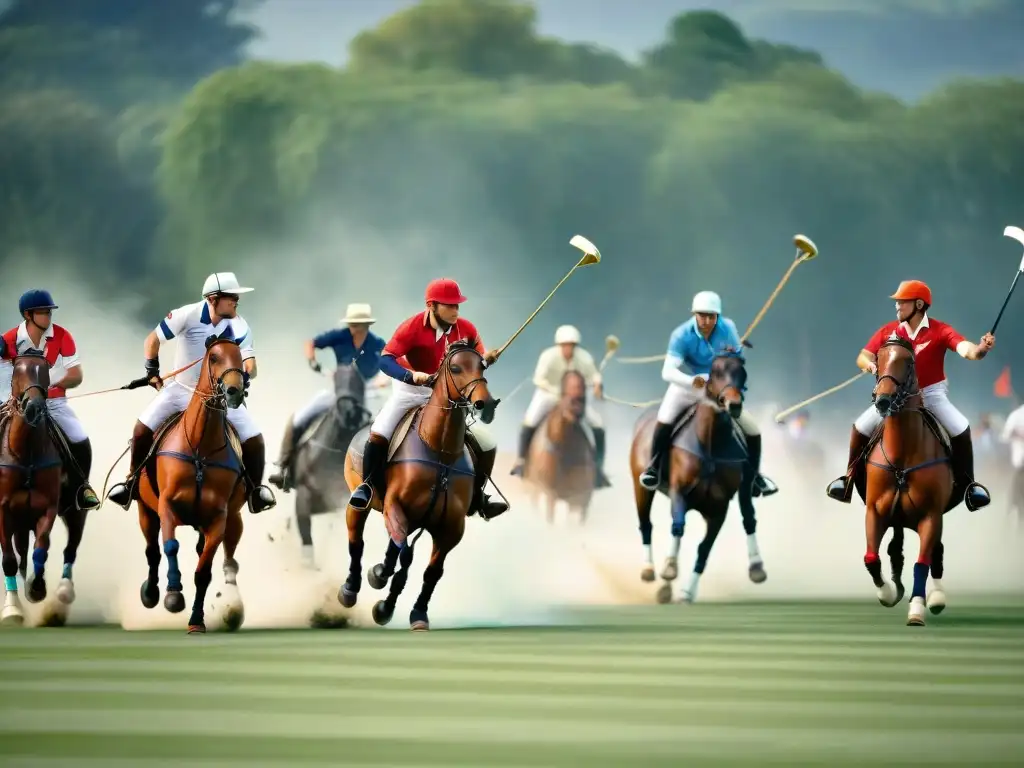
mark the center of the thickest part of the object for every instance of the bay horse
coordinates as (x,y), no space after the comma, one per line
(429,478)
(194,476)
(908,481)
(34,488)
(704,471)
(319,463)
(560,462)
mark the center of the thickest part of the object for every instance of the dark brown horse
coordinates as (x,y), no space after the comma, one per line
(909,481)
(560,463)
(704,471)
(33,488)
(194,476)
(429,481)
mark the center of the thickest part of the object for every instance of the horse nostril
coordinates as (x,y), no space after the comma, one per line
(480,405)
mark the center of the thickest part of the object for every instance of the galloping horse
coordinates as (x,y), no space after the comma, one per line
(909,481)
(428,484)
(704,471)
(194,476)
(560,462)
(33,488)
(320,455)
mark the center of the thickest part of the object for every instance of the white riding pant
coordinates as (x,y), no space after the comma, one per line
(174,398)
(320,403)
(405,397)
(542,404)
(66,419)
(678,398)
(936,400)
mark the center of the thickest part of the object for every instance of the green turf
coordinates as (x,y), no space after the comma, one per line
(793,683)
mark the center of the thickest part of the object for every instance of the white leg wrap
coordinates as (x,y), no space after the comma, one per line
(752,551)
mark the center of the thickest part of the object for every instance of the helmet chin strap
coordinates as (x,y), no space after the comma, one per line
(31,319)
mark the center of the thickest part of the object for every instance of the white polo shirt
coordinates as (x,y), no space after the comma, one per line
(191,325)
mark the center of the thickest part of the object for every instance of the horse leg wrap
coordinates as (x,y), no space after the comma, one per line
(39,557)
(173,574)
(11,583)
(938,563)
(920,579)
(66,573)
(873,563)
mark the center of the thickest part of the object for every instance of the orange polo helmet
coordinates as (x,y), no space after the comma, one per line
(911,290)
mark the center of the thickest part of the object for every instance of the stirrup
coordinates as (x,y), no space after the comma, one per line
(261,499)
(367,488)
(762,486)
(649,477)
(840,489)
(976,496)
(95,504)
(126,491)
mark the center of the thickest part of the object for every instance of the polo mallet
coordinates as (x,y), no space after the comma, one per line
(590,256)
(1017,234)
(781,415)
(805,251)
(611,345)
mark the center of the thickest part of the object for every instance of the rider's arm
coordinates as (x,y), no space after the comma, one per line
(322,341)
(670,372)
(389,366)
(175,322)
(587,366)
(245,345)
(542,373)
(866,361)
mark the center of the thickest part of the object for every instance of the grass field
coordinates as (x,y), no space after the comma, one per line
(713,684)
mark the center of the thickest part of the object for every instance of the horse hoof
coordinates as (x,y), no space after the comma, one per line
(381,614)
(647,574)
(174,602)
(375,577)
(936,601)
(36,591)
(887,594)
(915,617)
(197,629)
(664,594)
(686,598)
(757,573)
(671,570)
(418,621)
(149,595)
(12,619)
(347,596)
(420,626)
(234,617)
(66,591)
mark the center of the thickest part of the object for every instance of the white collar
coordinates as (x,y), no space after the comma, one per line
(913,334)
(24,338)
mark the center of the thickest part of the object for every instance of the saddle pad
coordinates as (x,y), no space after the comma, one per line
(359,439)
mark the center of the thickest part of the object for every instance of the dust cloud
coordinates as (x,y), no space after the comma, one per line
(513,570)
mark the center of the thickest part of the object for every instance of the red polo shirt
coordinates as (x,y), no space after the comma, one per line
(422,347)
(931,341)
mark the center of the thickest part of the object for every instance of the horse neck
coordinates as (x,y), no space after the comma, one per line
(442,425)
(21,440)
(200,422)
(705,420)
(903,438)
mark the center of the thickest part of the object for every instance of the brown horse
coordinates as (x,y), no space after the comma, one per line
(194,476)
(560,463)
(33,488)
(704,472)
(909,480)
(429,481)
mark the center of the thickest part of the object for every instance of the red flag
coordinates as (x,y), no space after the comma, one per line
(1002,387)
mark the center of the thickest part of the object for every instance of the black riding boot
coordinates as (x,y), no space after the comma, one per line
(254,456)
(375,453)
(142,441)
(481,502)
(525,438)
(660,446)
(760,485)
(600,445)
(975,494)
(284,477)
(85,496)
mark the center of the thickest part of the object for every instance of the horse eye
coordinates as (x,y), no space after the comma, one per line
(455,368)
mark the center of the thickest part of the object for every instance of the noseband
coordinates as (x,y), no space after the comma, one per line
(466,391)
(903,391)
(735,380)
(219,398)
(23,399)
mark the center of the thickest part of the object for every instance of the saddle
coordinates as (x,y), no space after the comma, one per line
(728,443)
(407,446)
(859,467)
(160,434)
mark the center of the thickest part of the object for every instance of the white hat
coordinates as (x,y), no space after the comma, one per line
(707,301)
(358,313)
(223,282)
(567,334)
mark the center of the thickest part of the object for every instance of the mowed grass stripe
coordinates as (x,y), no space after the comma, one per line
(679,656)
(483,729)
(817,679)
(634,708)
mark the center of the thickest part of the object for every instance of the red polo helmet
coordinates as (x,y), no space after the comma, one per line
(444,290)
(911,290)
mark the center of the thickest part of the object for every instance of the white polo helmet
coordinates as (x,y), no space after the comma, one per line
(707,301)
(567,334)
(223,282)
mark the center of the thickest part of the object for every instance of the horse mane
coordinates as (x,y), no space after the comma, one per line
(461,344)
(30,353)
(899,341)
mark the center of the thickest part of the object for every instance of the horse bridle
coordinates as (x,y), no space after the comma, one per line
(219,398)
(466,390)
(733,382)
(22,401)
(902,393)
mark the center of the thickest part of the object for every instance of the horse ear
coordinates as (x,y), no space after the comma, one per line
(210,340)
